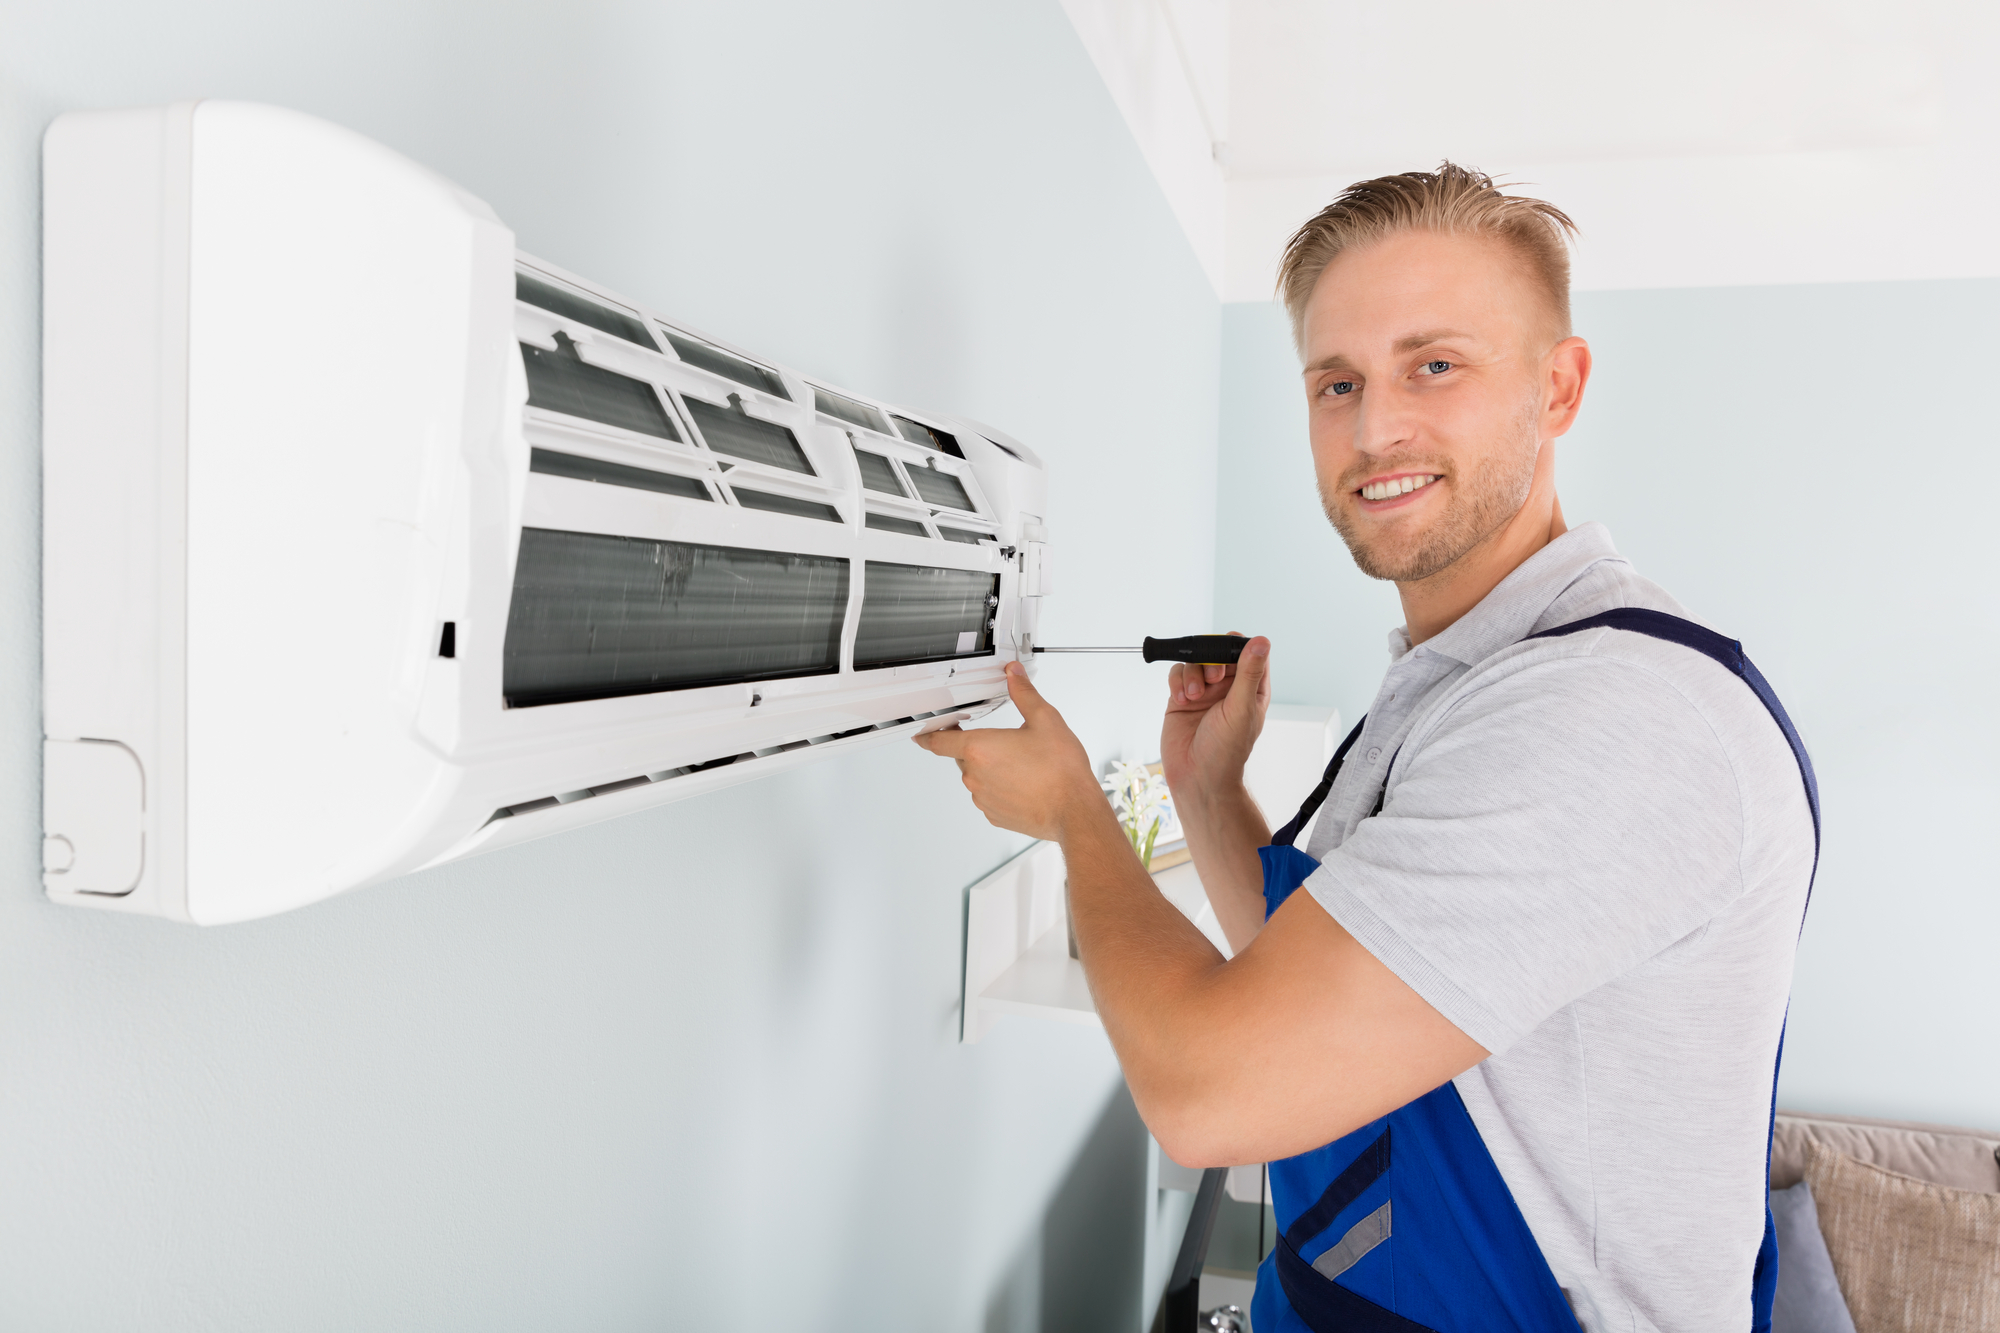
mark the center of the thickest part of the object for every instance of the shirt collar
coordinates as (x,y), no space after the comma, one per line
(1506,615)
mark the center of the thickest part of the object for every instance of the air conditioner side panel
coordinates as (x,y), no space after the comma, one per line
(335,344)
(114,344)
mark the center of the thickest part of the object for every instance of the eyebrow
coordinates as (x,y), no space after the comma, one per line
(1410,344)
(1425,339)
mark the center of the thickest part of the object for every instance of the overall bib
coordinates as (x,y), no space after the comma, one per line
(1405,1225)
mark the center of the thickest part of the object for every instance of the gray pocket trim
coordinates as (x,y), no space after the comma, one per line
(1362,1237)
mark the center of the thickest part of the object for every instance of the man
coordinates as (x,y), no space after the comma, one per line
(1511,1051)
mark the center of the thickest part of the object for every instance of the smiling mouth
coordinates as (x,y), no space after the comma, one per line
(1395,486)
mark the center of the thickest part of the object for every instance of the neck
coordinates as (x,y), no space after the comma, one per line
(1431,605)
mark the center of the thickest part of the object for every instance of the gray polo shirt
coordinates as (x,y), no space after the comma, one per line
(1592,859)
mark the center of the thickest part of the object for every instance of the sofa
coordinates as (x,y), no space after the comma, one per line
(1885,1226)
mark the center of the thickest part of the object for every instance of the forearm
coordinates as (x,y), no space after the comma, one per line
(1147,964)
(1299,1039)
(1224,831)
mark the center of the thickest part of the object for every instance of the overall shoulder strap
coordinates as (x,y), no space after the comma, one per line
(1285,836)
(1660,625)
(1728,652)
(1654,625)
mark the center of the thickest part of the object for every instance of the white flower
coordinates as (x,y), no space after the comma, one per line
(1142,802)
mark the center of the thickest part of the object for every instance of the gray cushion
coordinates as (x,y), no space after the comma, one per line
(1808,1294)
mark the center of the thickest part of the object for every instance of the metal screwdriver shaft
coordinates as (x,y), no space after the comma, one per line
(1204,649)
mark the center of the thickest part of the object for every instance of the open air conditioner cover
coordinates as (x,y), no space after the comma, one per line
(371,542)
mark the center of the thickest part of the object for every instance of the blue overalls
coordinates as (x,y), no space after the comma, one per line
(1405,1225)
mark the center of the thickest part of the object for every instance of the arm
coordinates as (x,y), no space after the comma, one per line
(1214,716)
(1300,1038)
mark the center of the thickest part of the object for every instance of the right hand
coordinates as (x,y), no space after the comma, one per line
(1214,715)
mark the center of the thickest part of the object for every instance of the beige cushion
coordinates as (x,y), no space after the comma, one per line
(1961,1158)
(1911,1256)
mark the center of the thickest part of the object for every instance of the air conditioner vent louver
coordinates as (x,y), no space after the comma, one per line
(785,504)
(930,437)
(735,432)
(907,527)
(553,464)
(846,409)
(584,311)
(667,775)
(728,365)
(878,474)
(563,381)
(940,488)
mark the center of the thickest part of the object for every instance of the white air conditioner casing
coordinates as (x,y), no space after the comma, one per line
(290,462)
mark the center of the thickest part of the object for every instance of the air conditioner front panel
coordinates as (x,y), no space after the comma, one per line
(329,376)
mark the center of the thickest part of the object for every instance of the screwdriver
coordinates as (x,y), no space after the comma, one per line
(1206,649)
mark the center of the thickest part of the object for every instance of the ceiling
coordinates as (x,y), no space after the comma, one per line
(1315,86)
(1783,134)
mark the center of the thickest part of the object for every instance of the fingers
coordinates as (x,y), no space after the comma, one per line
(1196,682)
(947,741)
(1026,697)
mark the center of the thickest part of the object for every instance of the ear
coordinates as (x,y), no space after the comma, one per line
(1568,371)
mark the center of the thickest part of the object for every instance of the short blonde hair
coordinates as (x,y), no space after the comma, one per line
(1452,201)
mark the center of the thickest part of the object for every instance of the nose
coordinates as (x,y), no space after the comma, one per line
(1387,420)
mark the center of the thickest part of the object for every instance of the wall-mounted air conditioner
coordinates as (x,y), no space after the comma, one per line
(371,543)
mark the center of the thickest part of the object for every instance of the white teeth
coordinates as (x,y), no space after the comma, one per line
(1384,490)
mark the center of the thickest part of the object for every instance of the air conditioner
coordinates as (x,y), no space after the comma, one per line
(371,543)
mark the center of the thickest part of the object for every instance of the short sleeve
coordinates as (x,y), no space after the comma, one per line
(1550,831)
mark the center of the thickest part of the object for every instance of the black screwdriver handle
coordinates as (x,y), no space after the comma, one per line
(1208,649)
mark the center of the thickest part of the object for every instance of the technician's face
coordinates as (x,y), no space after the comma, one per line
(1426,362)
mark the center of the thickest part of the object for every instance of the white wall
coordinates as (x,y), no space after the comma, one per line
(1166,65)
(698,1067)
(1811,469)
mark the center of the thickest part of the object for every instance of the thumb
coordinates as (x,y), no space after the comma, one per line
(1024,694)
(1253,672)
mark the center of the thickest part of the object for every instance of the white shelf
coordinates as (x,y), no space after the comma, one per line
(1017,940)
(1044,982)
(1016,926)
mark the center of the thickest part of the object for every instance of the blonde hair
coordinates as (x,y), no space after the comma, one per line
(1451,201)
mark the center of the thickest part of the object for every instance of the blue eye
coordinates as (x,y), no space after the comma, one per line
(1436,367)
(1339,387)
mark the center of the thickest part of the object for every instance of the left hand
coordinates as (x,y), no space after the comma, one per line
(1033,778)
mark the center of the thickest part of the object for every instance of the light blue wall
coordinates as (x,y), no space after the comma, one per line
(1813,469)
(697,1067)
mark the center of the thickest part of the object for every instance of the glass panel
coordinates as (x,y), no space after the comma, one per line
(859,414)
(561,382)
(877,475)
(553,464)
(583,310)
(729,430)
(961,535)
(908,527)
(785,504)
(910,613)
(596,617)
(727,364)
(940,488)
(916,432)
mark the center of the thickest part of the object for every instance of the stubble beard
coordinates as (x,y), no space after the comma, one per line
(1481,504)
